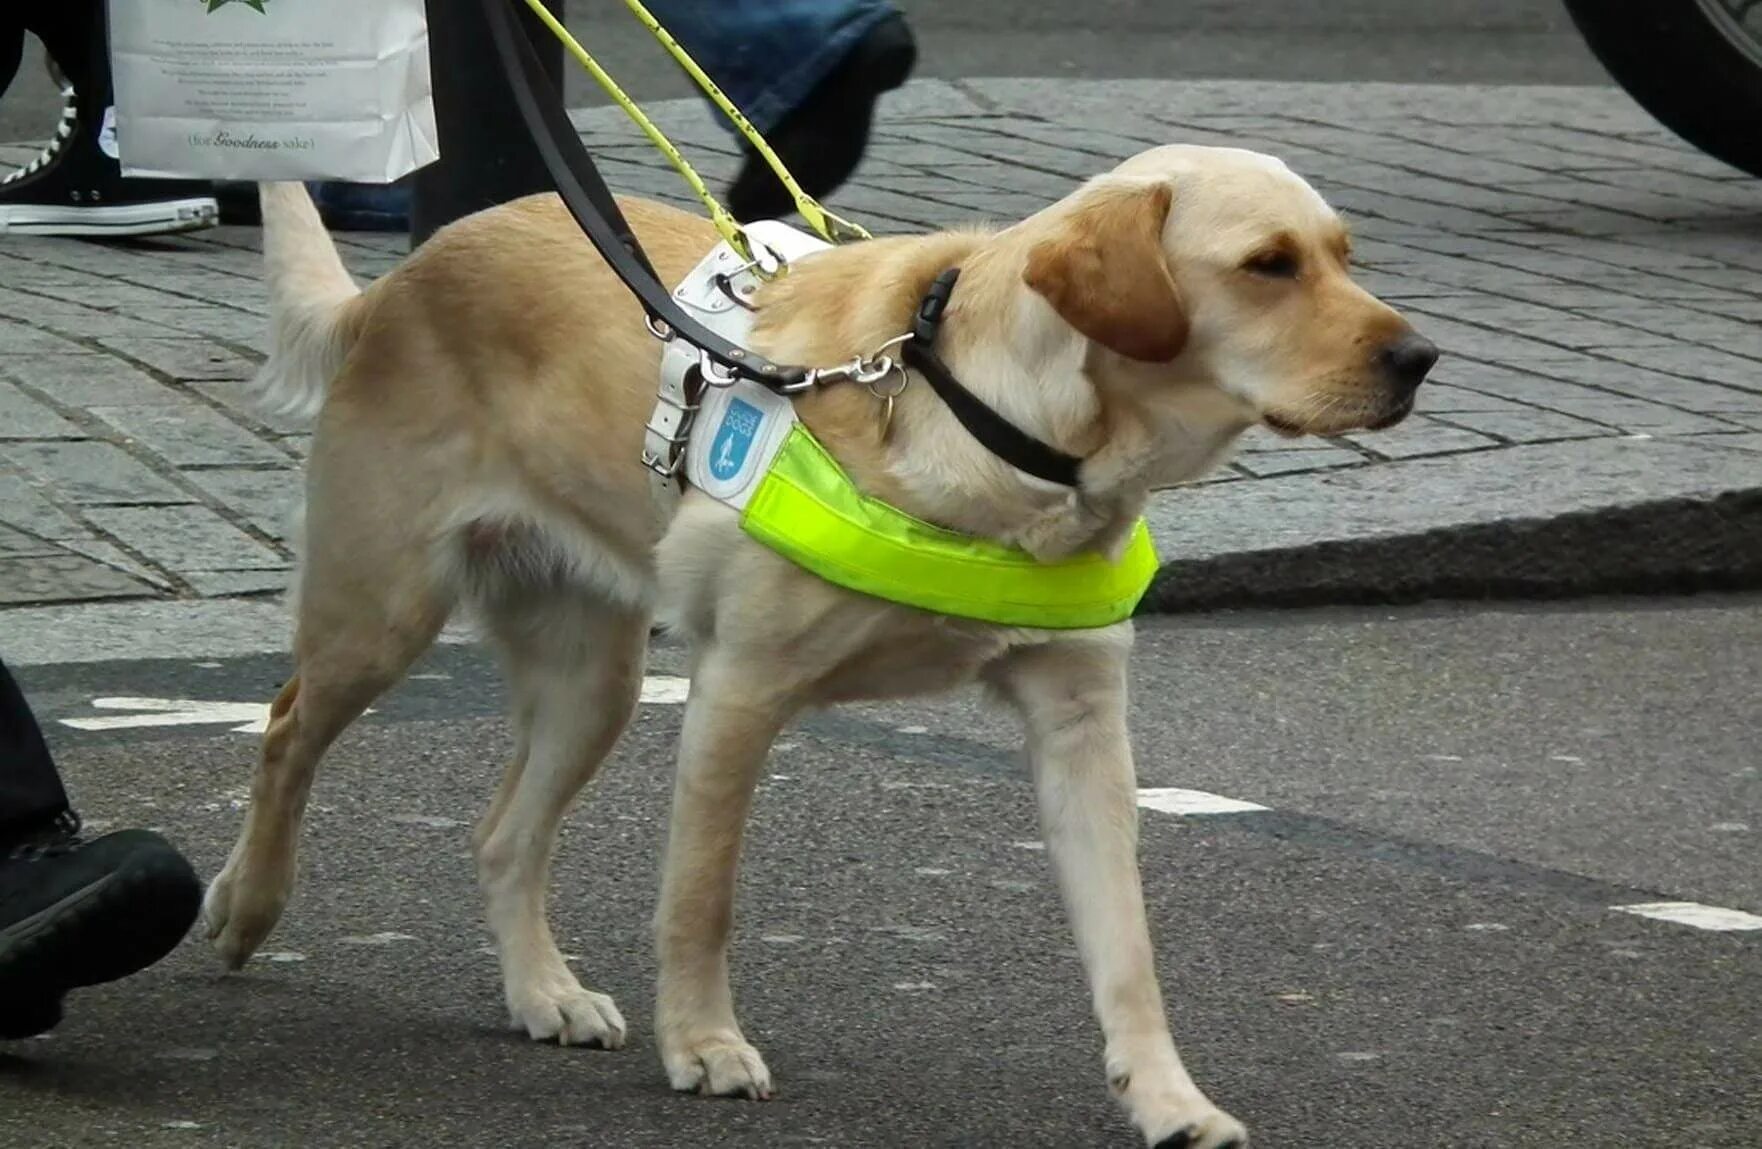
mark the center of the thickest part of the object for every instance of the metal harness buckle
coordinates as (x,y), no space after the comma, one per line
(865,369)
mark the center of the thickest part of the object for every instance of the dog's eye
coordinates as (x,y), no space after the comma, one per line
(1273,265)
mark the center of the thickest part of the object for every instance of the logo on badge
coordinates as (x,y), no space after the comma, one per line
(734,439)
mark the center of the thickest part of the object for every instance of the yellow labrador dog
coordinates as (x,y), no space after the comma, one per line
(479,416)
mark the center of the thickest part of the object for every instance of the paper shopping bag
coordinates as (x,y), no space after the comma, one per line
(272,89)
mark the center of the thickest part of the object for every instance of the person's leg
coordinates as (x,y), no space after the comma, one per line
(807,73)
(768,55)
(76,186)
(11,47)
(32,799)
(72,913)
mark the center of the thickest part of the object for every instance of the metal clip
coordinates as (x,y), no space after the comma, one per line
(763,260)
(888,395)
(725,284)
(713,373)
(866,369)
(664,468)
(658,328)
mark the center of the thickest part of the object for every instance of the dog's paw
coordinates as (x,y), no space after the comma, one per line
(718,1064)
(1175,1115)
(238,913)
(1213,1129)
(568,1015)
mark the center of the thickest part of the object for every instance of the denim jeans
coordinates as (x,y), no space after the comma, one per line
(768,55)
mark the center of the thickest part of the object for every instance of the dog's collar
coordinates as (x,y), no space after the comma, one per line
(995,433)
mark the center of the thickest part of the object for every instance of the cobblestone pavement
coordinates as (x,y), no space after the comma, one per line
(1595,285)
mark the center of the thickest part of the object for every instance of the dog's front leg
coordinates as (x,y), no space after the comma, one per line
(1073,697)
(730,721)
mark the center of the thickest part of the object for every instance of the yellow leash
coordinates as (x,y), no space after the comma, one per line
(827,225)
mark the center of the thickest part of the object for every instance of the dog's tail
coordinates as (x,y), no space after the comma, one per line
(316,310)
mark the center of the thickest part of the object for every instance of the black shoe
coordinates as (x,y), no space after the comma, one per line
(78,913)
(823,140)
(75,188)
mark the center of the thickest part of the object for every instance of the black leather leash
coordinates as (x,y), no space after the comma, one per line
(590,201)
(595,209)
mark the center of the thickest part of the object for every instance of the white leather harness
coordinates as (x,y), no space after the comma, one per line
(717,433)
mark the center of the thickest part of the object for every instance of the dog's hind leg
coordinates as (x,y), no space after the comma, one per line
(575,668)
(369,605)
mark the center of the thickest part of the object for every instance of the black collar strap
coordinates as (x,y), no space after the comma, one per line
(998,435)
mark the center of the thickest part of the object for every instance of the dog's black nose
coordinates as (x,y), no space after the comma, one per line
(1407,360)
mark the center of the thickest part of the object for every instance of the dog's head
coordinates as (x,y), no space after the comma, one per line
(1220,267)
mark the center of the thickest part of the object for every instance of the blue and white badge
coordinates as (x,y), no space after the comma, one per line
(739,428)
(739,431)
(734,441)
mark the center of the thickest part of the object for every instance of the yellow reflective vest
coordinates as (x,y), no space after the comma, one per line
(807,510)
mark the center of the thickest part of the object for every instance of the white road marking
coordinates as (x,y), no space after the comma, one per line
(384,938)
(1174,800)
(426,821)
(253,717)
(664,689)
(1695,914)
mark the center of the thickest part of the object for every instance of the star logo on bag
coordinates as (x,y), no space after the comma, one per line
(255,5)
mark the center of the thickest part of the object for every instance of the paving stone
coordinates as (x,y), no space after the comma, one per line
(1696,363)
(185,538)
(94,474)
(224,584)
(23,506)
(86,379)
(1261,463)
(22,417)
(1652,418)
(189,435)
(237,396)
(1743,441)
(16,545)
(203,319)
(1262,439)
(1421,436)
(1529,426)
(112,555)
(63,578)
(1443,398)
(267,499)
(18,340)
(184,358)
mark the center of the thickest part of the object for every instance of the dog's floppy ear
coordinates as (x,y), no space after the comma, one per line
(1103,270)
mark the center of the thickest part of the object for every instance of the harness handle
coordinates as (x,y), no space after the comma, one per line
(591,202)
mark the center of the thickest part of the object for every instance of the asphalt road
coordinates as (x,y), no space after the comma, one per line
(1414,946)
(1438,41)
